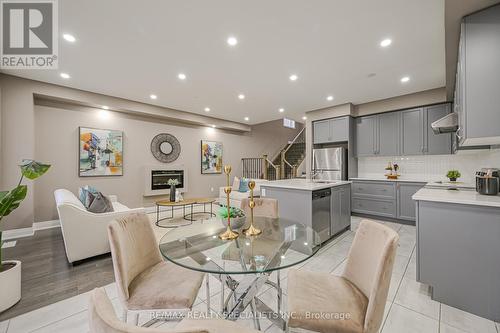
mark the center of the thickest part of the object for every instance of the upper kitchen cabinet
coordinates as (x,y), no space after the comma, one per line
(412,132)
(477,97)
(388,134)
(365,136)
(331,130)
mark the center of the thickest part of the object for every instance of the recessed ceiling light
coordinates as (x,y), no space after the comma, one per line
(65,75)
(241,96)
(181,76)
(105,107)
(405,79)
(213,126)
(247,119)
(232,41)
(207,109)
(304,118)
(69,38)
(293,77)
(281,110)
(153,96)
(329,98)
(386,42)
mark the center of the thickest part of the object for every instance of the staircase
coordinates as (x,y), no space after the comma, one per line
(283,165)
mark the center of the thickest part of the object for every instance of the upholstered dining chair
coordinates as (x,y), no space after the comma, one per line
(353,302)
(102,319)
(264,207)
(145,281)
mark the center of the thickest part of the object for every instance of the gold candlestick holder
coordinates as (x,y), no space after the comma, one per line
(252,230)
(229,233)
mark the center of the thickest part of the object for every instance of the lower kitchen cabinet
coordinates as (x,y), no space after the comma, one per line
(340,209)
(382,198)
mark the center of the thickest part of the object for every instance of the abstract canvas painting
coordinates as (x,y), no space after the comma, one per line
(101,152)
(211,157)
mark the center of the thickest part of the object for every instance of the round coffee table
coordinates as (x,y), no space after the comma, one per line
(168,222)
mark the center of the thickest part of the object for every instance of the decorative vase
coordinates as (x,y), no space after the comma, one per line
(172,193)
(236,222)
(10,284)
(453,179)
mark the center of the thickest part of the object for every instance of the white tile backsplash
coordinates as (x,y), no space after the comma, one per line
(432,167)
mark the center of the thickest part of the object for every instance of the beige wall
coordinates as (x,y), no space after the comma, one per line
(48,132)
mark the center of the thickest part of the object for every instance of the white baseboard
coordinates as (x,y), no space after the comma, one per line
(28,232)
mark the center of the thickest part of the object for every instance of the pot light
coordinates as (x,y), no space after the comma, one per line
(293,77)
(232,41)
(181,76)
(329,98)
(105,107)
(207,109)
(405,79)
(247,119)
(153,96)
(281,110)
(241,96)
(386,42)
(69,38)
(304,118)
(65,75)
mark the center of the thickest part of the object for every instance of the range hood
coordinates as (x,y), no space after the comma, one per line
(447,124)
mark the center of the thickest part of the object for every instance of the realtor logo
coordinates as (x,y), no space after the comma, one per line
(29,34)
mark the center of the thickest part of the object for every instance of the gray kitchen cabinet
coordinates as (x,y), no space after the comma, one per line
(436,144)
(478,79)
(331,130)
(406,209)
(365,136)
(412,132)
(340,209)
(388,134)
(377,207)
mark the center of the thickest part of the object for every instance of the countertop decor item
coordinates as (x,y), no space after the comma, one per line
(252,230)
(453,175)
(172,183)
(392,171)
(237,215)
(10,271)
(229,234)
(165,148)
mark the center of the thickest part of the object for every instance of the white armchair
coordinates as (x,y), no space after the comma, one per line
(236,197)
(85,234)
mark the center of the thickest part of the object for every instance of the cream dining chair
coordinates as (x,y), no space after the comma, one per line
(355,301)
(102,319)
(145,281)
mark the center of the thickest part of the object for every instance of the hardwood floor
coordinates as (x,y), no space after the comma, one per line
(47,277)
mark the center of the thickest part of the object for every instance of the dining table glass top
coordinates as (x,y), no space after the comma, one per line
(281,244)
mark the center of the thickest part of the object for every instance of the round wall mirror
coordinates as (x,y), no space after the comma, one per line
(165,147)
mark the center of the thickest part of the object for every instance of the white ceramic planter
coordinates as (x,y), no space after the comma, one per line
(10,285)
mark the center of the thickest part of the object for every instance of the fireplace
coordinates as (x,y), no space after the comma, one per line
(157,178)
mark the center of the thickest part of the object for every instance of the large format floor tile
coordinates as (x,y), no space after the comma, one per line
(401,319)
(416,296)
(466,321)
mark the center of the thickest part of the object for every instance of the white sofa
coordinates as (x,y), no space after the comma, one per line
(85,234)
(235,197)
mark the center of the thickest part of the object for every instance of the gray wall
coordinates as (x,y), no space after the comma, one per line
(47,131)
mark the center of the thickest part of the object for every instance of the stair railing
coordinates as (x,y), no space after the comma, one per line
(258,168)
(299,138)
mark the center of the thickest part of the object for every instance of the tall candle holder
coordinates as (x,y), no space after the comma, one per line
(252,230)
(229,233)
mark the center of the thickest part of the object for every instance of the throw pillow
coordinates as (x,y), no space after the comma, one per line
(243,185)
(85,195)
(100,204)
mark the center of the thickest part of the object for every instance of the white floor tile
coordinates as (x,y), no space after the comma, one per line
(77,323)
(416,296)
(49,314)
(400,264)
(443,328)
(3,326)
(401,319)
(466,321)
(411,269)
(393,287)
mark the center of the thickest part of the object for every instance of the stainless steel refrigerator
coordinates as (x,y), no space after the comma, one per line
(329,164)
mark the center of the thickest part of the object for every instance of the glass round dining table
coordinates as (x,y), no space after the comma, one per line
(243,265)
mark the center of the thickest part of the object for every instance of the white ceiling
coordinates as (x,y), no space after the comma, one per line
(132,49)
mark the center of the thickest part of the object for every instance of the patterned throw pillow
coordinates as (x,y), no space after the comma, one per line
(100,204)
(243,185)
(86,195)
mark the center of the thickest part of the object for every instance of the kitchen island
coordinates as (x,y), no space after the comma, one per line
(458,248)
(324,206)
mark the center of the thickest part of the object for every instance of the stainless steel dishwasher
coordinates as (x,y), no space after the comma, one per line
(321,213)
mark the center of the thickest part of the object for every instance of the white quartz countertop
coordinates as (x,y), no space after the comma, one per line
(400,179)
(466,197)
(302,184)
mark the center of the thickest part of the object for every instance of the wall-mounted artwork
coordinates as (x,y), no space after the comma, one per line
(101,152)
(211,157)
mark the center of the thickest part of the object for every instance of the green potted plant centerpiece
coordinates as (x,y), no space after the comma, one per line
(453,175)
(10,271)
(237,216)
